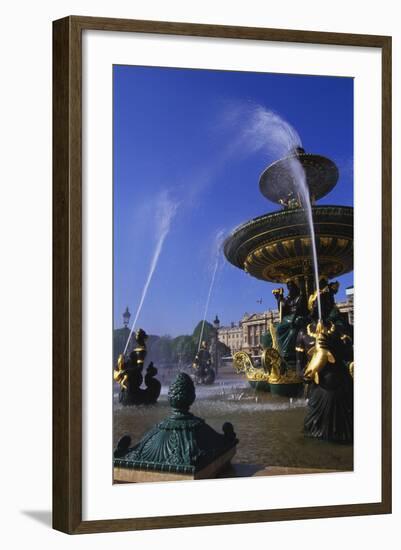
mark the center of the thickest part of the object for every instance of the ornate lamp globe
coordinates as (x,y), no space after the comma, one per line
(126,317)
(216,322)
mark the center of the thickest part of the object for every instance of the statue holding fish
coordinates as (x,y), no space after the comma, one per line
(325,360)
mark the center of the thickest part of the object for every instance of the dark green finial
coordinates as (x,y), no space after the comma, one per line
(181,393)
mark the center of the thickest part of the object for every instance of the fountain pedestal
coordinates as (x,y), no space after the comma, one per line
(181,447)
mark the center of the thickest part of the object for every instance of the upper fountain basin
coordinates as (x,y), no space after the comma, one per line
(276,247)
(277,181)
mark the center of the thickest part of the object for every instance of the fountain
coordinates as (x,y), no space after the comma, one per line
(128,374)
(281,247)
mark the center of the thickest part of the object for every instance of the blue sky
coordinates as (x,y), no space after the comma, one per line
(189,147)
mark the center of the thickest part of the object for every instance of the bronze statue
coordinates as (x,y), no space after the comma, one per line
(292,311)
(324,357)
(140,348)
(128,374)
(204,372)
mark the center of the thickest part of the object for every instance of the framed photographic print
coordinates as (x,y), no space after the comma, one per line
(222,274)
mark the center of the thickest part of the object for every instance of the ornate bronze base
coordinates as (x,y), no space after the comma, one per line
(287,384)
(136,475)
(182,446)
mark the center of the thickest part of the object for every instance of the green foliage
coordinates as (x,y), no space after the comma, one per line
(184,349)
(160,351)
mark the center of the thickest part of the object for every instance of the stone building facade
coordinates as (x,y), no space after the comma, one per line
(245,335)
(231,336)
(253,327)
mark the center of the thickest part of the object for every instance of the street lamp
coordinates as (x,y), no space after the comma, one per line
(216,324)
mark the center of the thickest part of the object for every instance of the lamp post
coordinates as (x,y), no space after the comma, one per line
(126,329)
(216,324)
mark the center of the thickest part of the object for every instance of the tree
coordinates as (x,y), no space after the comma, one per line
(161,352)
(186,349)
(164,350)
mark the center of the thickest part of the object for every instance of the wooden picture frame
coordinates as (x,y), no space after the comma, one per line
(67,273)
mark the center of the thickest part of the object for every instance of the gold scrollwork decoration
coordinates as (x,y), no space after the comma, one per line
(243,363)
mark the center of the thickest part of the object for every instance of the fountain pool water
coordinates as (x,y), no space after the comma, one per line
(268,427)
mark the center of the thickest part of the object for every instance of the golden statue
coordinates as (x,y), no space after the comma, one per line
(319,355)
(120,374)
